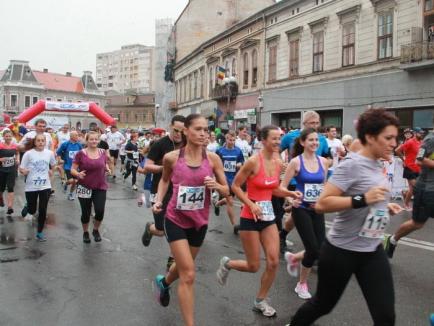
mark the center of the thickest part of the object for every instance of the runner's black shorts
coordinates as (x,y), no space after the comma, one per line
(114,153)
(7,180)
(423,205)
(174,232)
(247,224)
(69,176)
(409,174)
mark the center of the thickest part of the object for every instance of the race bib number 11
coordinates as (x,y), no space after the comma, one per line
(375,224)
(190,198)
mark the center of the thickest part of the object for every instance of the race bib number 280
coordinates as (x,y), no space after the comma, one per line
(83,192)
(190,198)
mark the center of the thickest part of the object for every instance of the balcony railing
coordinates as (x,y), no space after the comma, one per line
(11,109)
(222,92)
(417,52)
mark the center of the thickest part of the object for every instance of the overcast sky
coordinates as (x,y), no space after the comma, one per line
(65,35)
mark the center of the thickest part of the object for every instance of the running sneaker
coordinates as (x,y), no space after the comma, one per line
(264,308)
(86,237)
(215,200)
(28,217)
(291,264)
(147,235)
(96,236)
(41,237)
(303,291)
(236,229)
(135,187)
(389,247)
(25,210)
(223,272)
(283,248)
(71,196)
(65,187)
(170,262)
(10,211)
(162,293)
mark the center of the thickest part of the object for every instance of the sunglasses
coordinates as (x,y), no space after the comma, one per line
(178,131)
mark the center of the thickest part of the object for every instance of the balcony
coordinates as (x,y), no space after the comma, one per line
(419,55)
(11,109)
(222,92)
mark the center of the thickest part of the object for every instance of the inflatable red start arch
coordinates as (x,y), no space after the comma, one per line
(42,106)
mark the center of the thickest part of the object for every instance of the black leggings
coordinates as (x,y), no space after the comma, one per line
(311,228)
(98,199)
(278,203)
(336,266)
(130,168)
(7,180)
(32,203)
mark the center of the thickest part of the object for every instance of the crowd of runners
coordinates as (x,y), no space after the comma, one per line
(284,179)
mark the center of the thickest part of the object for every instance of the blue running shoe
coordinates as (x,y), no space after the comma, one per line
(40,237)
(162,293)
(25,210)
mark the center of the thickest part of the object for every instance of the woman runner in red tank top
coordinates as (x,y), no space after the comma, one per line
(191,171)
(257,223)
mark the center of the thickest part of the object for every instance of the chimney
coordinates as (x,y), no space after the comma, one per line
(68,74)
(45,70)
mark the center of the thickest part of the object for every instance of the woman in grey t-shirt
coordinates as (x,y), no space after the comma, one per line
(358,192)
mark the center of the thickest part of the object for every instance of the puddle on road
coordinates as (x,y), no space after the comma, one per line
(33,253)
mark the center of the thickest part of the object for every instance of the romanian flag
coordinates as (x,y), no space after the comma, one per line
(221,72)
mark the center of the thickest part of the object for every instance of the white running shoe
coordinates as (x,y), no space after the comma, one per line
(28,217)
(223,272)
(135,187)
(264,308)
(303,291)
(291,264)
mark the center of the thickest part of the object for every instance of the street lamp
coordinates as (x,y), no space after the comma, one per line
(157,106)
(228,81)
(260,106)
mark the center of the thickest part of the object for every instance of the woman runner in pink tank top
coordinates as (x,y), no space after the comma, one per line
(191,171)
(257,223)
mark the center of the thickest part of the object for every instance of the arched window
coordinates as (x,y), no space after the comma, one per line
(210,80)
(246,70)
(234,67)
(254,68)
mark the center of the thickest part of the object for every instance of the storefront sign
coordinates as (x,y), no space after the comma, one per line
(251,118)
(242,114)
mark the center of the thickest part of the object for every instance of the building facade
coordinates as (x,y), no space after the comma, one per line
(334,56)
(132,110)
(127,69)
(164,89)
(21,87)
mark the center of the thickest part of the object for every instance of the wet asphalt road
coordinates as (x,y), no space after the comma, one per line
(66,282)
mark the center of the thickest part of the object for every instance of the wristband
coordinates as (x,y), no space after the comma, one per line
(358,201)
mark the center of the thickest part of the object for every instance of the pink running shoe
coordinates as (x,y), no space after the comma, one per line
(291,264)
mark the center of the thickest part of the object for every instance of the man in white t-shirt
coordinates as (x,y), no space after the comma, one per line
(63,134)
(242,143)
(212,146)
(40,127)
(114,139)
(335,146)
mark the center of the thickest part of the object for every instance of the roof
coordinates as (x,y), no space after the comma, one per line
(58,82)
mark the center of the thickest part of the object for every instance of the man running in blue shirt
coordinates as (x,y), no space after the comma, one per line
(232,158)
(66,152)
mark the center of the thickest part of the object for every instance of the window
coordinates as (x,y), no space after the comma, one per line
(185,89)
(189,88)
(202,80)
(428,5)
(234,67)
(59,100)
(27,101)
(195,85)
(35,99)
(227,70)
(210,79)
(110,84)
(254,68)
(318,51)
(246,70)
(14,100)
(294,49)
(216,78)
(348,41)
(272,62)
(385,35)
